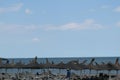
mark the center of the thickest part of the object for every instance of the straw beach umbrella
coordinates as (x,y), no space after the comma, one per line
(60,66)
(90,66)
(1,61)
(19,65)
(9,65)
(48,64)
(114,66)
(108,66)
(82,66)
(74,64)
(117,65)
(32,65)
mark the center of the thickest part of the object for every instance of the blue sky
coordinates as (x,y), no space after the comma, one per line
(59,28)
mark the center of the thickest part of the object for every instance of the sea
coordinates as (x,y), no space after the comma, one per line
(57,60)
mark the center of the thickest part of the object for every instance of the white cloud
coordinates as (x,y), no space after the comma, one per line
(36,39)
(87,24)
(16,28)
(118,24)
(13,8)
(117,9)
(28,11)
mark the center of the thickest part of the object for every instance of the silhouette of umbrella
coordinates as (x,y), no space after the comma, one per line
(82,66)
(1,63)
(117,65)
(74,64)
(114,66)
(48,64)
(60,65)
(108,66)
(32,65)
(90,66)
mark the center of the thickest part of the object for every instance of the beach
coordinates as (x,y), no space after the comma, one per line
(63,69)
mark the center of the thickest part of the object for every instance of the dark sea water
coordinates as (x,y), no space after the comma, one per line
(65,60)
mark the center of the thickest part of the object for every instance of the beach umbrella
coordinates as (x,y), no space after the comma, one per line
(114,66)
(90,65)
(117,65)
(82,66)
(2,59)
(97,67)
(105,66)
(74,64)
(61,65)
(48,65)
(32,65)
(19,65)
(6,65)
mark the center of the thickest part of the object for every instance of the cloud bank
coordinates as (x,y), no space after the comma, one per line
(87,24)
(13,8)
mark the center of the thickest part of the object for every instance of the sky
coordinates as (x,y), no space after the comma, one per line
(59,28)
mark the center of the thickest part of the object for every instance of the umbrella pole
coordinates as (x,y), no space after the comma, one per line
(6,70)
(109,74)
(59,72)
(90,73)
(116,72)
(80,73)
(97,72)
(84,71)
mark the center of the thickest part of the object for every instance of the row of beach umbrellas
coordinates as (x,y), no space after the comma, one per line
(73,64)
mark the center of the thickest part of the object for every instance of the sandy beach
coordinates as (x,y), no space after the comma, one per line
(50,76)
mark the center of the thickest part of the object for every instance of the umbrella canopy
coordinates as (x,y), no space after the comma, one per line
(2,59)
(19,64)
(90,65)
(73,65)
(108,66)
(48,64)
(61,65)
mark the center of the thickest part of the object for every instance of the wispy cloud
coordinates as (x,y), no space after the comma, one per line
(28,11)
(87,24)
(117,9)
(16,28)
(13,8)
(35,39)
(118,24)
